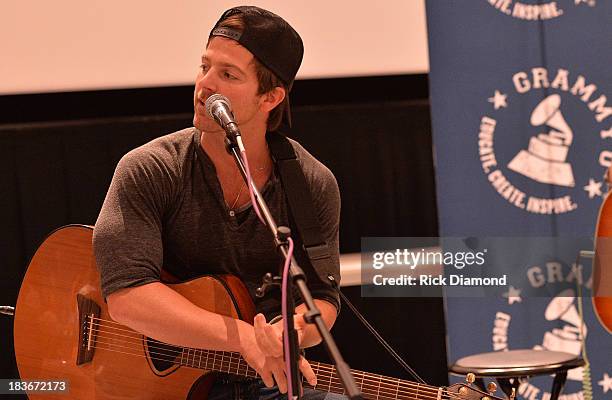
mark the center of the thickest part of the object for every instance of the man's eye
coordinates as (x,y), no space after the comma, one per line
(204,67)
(227,75)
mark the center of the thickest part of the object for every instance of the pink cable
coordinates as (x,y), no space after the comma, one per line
(286,352)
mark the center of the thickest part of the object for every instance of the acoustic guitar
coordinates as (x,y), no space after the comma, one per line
(602,268)
(63,332)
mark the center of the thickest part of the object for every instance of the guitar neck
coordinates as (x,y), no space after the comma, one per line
(373,386)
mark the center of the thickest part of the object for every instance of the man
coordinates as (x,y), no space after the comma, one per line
(181,203)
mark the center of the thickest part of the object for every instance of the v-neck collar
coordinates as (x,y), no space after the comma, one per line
(212,181)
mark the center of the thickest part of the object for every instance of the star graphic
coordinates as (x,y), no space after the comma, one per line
(498,100)
(594,188)
(605,383)
(606,133)
(513,295)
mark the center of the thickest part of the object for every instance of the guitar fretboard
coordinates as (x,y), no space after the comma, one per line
(373,386)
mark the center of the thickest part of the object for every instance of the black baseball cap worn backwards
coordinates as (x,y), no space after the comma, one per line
(270,39)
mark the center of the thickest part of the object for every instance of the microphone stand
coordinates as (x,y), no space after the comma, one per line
(297,277)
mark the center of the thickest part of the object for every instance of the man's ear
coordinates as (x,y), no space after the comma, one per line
(273,98)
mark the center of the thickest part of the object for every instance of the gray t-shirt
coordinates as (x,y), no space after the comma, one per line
(165,207)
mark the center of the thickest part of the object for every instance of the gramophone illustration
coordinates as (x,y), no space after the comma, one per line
(544,161)
(567,339)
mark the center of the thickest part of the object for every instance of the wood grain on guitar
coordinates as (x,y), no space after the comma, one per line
(63,331)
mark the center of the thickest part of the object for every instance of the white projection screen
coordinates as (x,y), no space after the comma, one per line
(71,45)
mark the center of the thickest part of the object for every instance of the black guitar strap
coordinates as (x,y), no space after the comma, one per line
(300,202)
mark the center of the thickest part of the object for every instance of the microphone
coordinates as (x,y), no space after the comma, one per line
(218,107)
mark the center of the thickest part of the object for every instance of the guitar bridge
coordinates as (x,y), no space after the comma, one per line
(89,311)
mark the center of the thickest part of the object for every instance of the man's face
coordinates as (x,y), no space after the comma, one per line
(228,69)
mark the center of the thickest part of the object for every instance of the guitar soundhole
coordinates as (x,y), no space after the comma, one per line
(163,357)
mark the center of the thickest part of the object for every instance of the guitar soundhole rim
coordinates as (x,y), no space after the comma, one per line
(170,354)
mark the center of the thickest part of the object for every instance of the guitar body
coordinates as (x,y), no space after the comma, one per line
(602,273)
(48,328)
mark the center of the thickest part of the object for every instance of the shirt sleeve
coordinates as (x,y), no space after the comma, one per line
(326,199)
(127,238)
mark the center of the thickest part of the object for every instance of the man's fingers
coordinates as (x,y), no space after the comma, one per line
(260,333)
(267,338)
(307,371)
(269,342)
(267,378)
(259,322)
(278,371)
(274,344)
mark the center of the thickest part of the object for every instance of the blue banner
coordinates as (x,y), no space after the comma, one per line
(522,126)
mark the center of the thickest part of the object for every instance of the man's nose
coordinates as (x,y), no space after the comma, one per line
(208,82)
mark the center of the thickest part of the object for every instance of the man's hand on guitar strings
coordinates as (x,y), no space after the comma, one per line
(263,352)
(270,340)
(270,336)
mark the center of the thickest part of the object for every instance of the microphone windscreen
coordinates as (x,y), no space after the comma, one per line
(211,100)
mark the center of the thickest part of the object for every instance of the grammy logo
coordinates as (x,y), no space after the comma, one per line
(545,159)
(569,337)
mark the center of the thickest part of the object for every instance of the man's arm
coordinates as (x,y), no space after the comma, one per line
(157,311)
(311,333)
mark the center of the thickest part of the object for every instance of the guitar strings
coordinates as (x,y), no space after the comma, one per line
(331,384)
(375,390)
(378,389)
(393,384)
(138,337)
(239,372)
(382,391)
(193,356)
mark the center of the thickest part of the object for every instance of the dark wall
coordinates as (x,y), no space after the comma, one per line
(58,153)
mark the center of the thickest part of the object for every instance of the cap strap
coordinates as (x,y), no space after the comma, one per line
(227,32)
